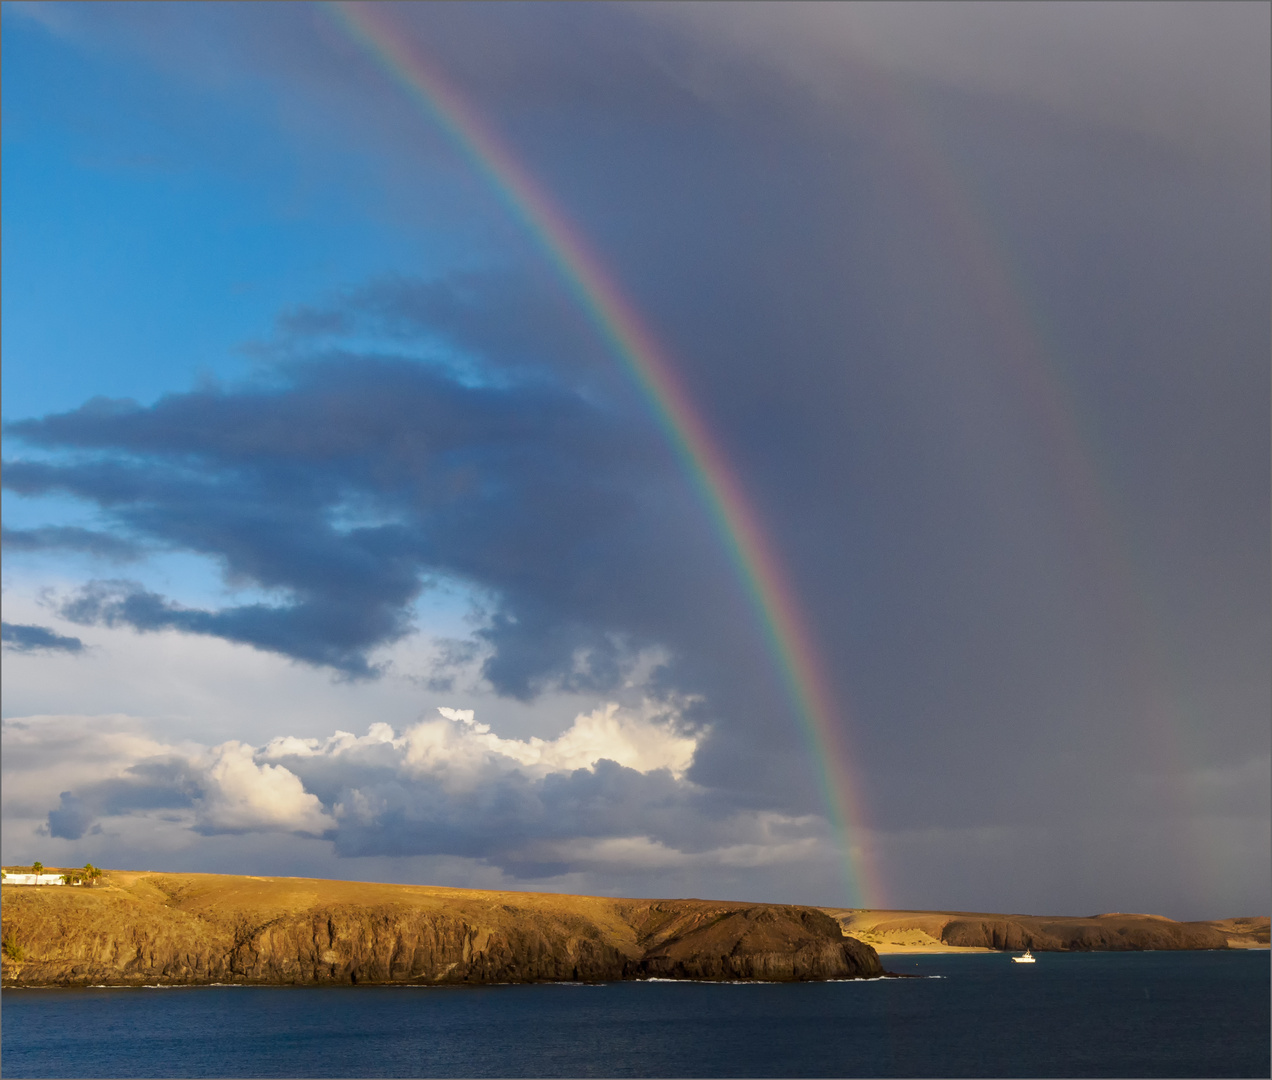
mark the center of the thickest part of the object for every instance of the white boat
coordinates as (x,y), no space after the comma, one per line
(1028,958)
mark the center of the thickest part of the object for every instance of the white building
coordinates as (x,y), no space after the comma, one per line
(32,879)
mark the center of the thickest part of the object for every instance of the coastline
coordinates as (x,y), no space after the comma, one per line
(140,928)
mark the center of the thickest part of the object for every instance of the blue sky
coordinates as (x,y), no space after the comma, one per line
(176,223)
(303,435)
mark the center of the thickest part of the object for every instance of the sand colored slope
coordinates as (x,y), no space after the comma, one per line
(1245,933)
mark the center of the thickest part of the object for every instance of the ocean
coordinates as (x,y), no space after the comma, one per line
(1070,1014)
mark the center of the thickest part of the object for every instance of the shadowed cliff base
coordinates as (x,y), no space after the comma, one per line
(186,929)
(963,931)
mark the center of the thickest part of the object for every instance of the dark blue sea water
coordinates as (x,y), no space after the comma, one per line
(1095,1014)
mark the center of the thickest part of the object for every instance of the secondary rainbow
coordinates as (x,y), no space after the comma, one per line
(749,550)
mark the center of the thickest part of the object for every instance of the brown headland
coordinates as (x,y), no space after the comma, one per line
(139,928)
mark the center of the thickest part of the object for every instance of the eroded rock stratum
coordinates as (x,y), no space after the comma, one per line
(151,928)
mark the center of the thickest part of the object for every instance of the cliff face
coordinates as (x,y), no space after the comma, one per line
(754,942)
(191,929)
(1101,933)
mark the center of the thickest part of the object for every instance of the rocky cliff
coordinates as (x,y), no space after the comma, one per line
(1103,933)
(176,929)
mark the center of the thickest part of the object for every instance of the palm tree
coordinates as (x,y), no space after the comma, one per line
(37,868)
(92,873)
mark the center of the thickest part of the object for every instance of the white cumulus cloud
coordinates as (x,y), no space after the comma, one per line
(241,794)
(645,739)
(610,795)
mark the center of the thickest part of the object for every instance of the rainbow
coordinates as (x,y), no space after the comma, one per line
(750,552)
(1029,363)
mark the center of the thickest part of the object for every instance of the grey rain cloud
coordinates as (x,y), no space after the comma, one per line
(1192,75)
(26,638)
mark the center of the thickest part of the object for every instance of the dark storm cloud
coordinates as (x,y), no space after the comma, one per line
(538,327)
(25,638)
(345,487)
(504,819)
(71,538)
(71,820)
(155,784)
(321,631)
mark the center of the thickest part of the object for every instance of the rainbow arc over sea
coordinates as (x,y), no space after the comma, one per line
(751,553)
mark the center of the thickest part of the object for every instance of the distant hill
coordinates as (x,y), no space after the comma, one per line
(941,931)
(179,929)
